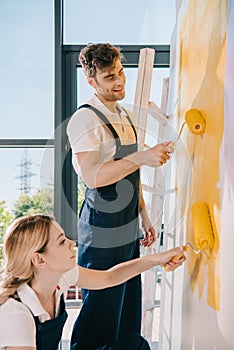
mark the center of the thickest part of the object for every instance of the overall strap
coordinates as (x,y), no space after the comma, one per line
(103,119)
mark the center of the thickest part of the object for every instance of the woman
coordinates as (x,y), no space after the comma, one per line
(40,267)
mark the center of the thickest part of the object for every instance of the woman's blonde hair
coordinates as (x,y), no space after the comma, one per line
(25,236)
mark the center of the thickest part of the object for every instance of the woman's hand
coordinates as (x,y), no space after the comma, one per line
(172,258)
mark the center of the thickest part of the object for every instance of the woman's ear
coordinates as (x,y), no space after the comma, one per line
(37,260)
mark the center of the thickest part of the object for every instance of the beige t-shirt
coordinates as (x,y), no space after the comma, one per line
(86,132)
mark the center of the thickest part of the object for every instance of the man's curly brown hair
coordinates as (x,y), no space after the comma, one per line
(98,56)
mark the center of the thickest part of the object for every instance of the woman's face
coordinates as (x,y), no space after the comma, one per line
(59,255)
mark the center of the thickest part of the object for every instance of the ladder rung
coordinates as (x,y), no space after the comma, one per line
(150,306)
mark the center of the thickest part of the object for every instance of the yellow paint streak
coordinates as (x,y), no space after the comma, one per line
(201,86)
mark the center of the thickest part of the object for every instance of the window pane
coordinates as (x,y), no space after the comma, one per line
(27,173)
(26,68)
(125,22)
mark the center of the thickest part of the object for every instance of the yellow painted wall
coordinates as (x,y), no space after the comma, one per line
(201,85)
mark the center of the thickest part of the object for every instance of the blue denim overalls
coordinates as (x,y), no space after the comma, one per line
(108,233)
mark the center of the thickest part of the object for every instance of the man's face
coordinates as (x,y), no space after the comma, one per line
(110,83)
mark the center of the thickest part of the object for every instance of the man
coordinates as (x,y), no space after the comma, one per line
(103,138)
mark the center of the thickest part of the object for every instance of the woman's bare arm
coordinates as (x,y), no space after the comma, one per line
(96,279)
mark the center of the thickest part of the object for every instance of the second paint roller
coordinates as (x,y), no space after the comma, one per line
(202,226)
(202,229)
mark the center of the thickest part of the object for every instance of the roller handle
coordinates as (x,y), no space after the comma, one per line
(175,258)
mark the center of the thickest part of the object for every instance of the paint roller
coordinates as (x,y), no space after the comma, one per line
(196,122)
(202,228)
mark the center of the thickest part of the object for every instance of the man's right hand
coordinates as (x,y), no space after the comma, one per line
(158,155)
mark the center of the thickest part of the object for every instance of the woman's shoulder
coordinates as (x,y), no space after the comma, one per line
(14,306)
(22,325)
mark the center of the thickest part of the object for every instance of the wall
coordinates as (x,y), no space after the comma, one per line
(204,50)
(225,316)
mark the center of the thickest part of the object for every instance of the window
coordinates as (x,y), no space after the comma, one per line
(26,171)
(26,69)
(26,108)
(125,22)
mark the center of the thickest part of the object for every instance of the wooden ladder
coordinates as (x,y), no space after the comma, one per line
(148,113)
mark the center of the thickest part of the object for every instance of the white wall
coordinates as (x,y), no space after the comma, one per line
(225,316)
(207,304)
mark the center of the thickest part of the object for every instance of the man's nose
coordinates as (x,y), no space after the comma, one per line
(119,80)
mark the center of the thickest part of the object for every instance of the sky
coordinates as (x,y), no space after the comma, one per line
(27,67)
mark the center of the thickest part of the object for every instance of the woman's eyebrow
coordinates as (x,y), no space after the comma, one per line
(59,236)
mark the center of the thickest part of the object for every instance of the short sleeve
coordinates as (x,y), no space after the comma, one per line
(83,131)
(17,325)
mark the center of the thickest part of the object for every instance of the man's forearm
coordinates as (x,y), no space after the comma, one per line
(103,174)
(96,174)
